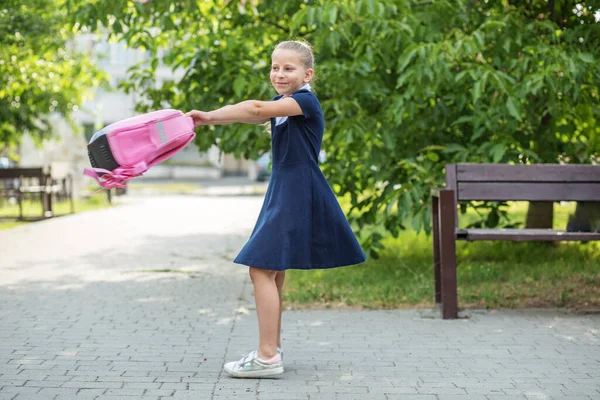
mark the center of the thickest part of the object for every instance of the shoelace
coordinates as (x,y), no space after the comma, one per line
(247,358)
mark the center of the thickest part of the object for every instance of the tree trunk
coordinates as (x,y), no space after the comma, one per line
(586,217)
(540,215)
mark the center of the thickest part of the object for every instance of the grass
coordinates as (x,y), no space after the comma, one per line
(490,274)
(33,209)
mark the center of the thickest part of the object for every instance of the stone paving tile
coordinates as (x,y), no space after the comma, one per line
(88,319)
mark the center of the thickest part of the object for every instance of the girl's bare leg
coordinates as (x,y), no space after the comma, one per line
(268,310)
(279,279)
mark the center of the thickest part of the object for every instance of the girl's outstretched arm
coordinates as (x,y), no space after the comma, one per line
(249,112)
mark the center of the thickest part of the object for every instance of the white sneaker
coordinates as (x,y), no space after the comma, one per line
(251,366)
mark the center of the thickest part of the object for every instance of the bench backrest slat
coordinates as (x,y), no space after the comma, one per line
(24,172)
(527,173)
(538,182)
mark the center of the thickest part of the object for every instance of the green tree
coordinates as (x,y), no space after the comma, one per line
(406,86)
(38,74)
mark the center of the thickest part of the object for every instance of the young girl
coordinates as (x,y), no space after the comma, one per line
(301,225)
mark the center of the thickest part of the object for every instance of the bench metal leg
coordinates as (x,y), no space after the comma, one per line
(20,201)
(46,204)
(446,215)
(436,249)
(70,192)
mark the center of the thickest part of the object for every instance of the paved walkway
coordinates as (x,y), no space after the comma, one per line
(85,313)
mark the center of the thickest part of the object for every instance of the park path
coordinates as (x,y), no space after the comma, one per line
(142,301)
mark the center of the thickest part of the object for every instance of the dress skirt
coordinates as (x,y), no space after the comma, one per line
(301,224)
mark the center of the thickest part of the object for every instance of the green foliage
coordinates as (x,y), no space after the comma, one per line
(38,74)
(406,86)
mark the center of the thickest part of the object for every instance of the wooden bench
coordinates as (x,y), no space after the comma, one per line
(501,182)
(21,183)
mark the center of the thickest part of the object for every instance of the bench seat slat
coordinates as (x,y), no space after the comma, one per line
(502,191)
(527,173)
(524,235)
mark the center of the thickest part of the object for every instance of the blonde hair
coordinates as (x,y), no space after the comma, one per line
(303,48)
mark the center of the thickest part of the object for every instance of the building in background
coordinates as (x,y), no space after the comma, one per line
(68,152)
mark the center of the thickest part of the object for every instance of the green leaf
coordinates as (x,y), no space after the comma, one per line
(586,57)
(405,204)
(432,147)
(497,151)
(513,108)
(492,219)
(333,15)
(117,28)
(464,119)
(371,6)
(480,40)
(433,157)
(478,132)
(405,59)
(311,16)
(238,85)
(506,45)
(492,25)
(477,87)
(404,78)
(454,148)
(459,77)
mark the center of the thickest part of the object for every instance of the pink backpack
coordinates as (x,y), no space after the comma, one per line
(126,149)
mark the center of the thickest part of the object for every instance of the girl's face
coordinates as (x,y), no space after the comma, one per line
(288,73)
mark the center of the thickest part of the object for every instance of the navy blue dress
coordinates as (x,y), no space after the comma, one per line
(301,224)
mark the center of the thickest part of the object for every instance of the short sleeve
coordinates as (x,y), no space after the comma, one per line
(307,102)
